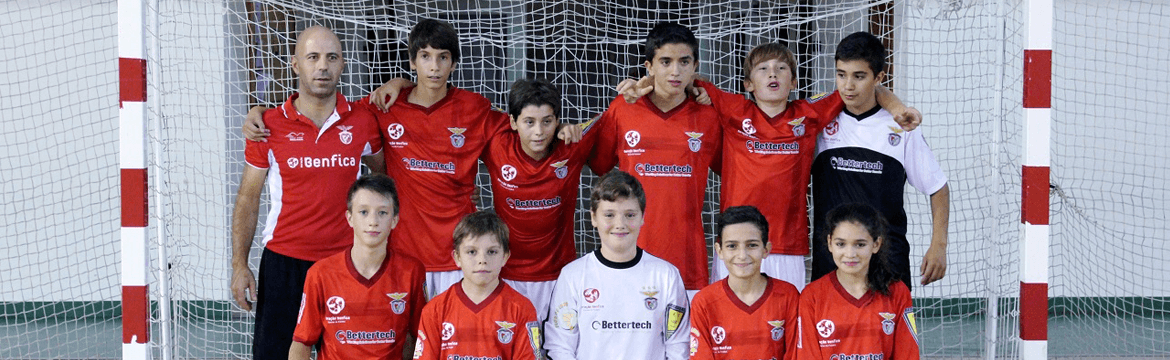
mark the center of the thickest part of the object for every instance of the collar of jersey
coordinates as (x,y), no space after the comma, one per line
(865,299)
(289,109)
(458,288)
(743,306)
(619,265)
(404,98)
(864,115)
(358,276)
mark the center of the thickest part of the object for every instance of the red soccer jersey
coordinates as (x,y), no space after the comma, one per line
(432,153)
(358,318)
(835,325)
(723,327)
(310,170)
(502,326)
(669,153)
(537,199)
(767,161)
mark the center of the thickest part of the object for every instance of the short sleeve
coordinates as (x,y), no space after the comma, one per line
(827,106)
(418,296)
(906,337)
(309,325)
(372,134)
(700,340)
(922,169)
(255,152)
(678,323)
(528,346)
(723,101)
(806,342)
(426,344)
(604,156)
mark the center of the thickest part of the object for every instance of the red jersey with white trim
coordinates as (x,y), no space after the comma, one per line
(310,170)
(502,326)
(670,154)
(767,160)
(723,327)
(537,199)
(836,326)
(433,155)
(358,318)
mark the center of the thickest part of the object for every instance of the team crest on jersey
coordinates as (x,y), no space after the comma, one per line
(591,295)
(832,128)
(397,302)
(534,336)
(296,136)
(694,143)
(293,162)
(718,334)
(395,131)
(504,334)
(651,301)
(560,170)
(457,138)
(895,136)
(448,331)
(777,329)
(633,137)
(345,135)
(826,327)
(335,304)
(508,172)
(797,126)
(888,323)
(747,127)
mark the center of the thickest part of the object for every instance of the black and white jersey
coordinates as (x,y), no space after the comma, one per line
(602,310)
(868,158)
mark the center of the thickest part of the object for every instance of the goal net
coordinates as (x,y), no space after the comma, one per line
(958,61)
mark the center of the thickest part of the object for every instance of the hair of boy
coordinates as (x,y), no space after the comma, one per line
(479,223)
(666,33)
(377,183)
(744,214)
(880,273)
(439,35)
(768,51)
(616,185)
(862,46)
(536,92)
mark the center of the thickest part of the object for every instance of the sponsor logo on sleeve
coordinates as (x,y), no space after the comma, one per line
(674,317)
(504,333)
(397,302)
(908,317)
(419,343)
(335,304)
(694,341)
(565,317)
(345,136)
(777,329)
(817,97)
(534,337)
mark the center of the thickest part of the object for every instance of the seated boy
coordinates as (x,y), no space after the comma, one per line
(768,151)
(365,302)
(618,302)
(479,317)
(748,315)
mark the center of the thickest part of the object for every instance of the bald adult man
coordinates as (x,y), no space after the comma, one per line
(309,164)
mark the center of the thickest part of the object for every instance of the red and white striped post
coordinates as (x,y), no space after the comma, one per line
(132,159)
(1037,104)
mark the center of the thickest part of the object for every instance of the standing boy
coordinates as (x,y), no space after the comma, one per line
(479,317)
(363,303)
(312,160)
(668,142)
(864,156)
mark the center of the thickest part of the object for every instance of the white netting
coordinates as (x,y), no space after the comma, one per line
(959,61)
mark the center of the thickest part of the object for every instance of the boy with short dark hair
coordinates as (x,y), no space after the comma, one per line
(364,302)
(668,142)
(479,317)
(618,302)
(864,156)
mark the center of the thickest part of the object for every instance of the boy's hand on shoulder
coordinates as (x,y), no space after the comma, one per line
(569,133)
(909,118)
(631,90)
(253,128)
(701,95)
(387,94)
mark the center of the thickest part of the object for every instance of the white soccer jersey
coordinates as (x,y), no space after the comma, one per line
(603,310)
(868,158)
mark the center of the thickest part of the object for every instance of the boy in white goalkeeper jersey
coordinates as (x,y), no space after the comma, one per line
(618,302)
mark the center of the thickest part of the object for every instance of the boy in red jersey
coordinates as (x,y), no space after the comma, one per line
(308,166)
(534,189)
(768,148)
(861,310)
(479,317)
(363,303)
(668,142)
(748,315)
